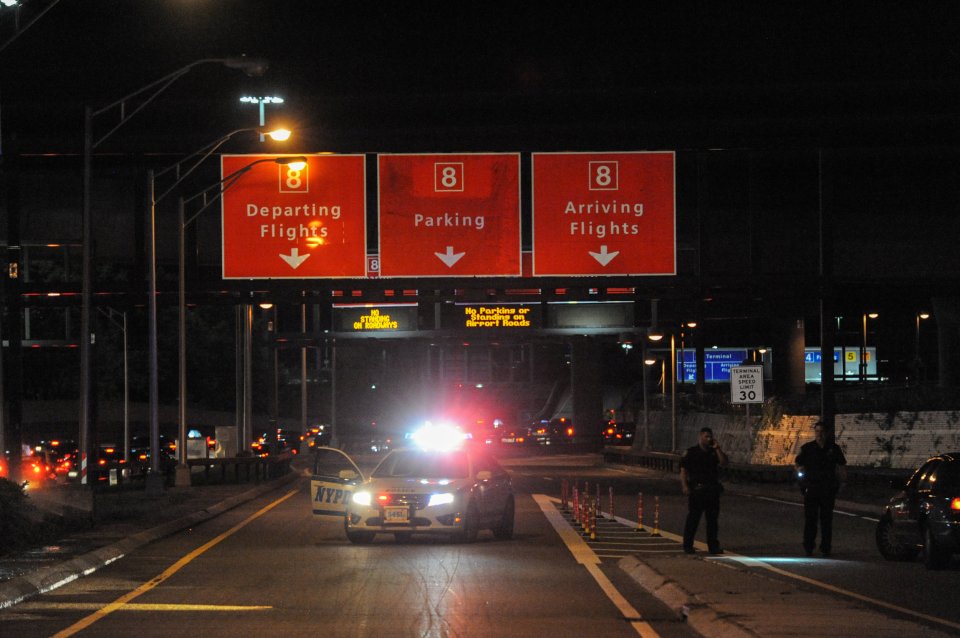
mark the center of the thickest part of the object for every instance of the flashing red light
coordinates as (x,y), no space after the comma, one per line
(383,499)
(610,430)
(102,461)
(955,504)
(519,439)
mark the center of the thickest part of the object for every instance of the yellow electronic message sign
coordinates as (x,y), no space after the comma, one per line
(497,316)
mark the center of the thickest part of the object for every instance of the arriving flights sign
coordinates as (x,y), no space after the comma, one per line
(604,214)
(280,223)
(449,215)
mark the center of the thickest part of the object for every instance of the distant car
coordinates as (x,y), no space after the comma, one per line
(553,432)
(618,433)
(924,516)
(454,491)
(140,454)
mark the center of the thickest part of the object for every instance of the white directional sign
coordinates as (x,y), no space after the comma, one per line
(746,384)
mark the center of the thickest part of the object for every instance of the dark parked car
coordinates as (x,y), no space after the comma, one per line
(924,516)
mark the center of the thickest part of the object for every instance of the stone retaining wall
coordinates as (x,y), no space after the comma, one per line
(895,440)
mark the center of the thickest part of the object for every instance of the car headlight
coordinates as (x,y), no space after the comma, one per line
(362,498)
(444,498)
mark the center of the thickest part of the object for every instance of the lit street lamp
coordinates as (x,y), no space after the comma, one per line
(154,481)
(863,346)
(146,94)
(261,100)
(918,362)
(209,196)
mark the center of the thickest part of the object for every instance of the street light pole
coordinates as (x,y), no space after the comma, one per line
(250,66)
(673,392)
(182,476)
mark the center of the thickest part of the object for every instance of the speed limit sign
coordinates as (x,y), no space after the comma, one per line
(746,384)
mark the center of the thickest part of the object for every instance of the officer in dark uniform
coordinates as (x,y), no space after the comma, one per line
(700,478)
(821,467)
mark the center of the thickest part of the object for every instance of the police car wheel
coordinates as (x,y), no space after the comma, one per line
(358,538)
(470,529)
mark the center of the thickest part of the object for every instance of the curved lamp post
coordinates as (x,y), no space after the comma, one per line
(154,482)
(147,93)
(182,477)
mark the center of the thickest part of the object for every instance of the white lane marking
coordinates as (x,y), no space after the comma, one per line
(794,503)
(755,562)
(586,557)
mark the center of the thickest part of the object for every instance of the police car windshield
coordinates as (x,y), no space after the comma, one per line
(421,464)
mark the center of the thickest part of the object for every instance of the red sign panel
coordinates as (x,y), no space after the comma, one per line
(281,223)
(604,214)
(449,215)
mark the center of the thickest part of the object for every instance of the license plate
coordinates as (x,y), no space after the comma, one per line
(396,515)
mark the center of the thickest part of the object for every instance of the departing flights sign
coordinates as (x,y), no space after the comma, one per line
(449,215)
(604,214)
(281,223)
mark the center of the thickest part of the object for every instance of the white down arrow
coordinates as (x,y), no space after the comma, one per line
(294,259)
(449,257)
(603,256)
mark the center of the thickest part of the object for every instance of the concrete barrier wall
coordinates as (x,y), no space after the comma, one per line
(894,440)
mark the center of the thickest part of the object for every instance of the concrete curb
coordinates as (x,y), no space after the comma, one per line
(18,589)
(700,616)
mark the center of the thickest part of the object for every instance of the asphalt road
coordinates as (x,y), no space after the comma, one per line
(267,568)
(765,523)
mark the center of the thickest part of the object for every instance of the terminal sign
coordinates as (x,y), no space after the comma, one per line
(285,223)
(604,214)
(746,384)
(449,215)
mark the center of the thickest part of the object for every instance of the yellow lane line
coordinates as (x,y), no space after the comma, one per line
(139,607)
(103,612)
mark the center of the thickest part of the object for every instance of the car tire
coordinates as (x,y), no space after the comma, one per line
(468,533)
(933,555)
(504,530)
(890,546)
(356,537)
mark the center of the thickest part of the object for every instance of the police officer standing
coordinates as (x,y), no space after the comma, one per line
(700,479)
(821,469)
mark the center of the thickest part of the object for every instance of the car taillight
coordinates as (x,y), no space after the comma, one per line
(569,431)
(610,430)
(955,504)
(383,499)
(102,462)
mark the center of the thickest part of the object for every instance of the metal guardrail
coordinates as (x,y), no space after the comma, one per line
(242,468)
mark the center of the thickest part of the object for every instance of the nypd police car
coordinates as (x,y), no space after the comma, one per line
(441,484)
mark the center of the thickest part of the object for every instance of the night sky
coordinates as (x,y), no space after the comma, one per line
(373,76)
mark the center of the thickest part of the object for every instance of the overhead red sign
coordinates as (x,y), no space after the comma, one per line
(449,215)
(281,223)
(604,214)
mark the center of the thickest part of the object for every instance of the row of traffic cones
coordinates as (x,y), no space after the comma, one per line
(586,509)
